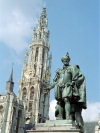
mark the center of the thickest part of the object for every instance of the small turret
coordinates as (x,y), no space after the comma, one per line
(10,83)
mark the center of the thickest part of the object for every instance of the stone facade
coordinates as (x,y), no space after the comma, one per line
(36,74)
(32,102)
(11,110)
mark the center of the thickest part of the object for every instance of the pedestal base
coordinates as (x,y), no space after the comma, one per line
(97,129)
(55,126)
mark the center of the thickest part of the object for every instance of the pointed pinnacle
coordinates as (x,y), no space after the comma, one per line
(11,76)
(43,12)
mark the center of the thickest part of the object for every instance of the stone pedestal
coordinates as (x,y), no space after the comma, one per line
(55,126)
(97,129)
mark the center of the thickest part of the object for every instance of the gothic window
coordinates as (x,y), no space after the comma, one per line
(13,119)
(35,35)
(40,36)
(42,62)
(34,70)
(30,107)
(1,111)
(18,120)
(43,56)
(26,108)
(24,94)
(31,93)
(36,54)
(1,108)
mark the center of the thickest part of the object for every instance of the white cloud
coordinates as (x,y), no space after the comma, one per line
(90,114)
(52,110)
(16,21)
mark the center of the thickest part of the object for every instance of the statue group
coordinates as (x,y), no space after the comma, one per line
(70,92)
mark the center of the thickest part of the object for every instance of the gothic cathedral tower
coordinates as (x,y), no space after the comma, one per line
(36,73)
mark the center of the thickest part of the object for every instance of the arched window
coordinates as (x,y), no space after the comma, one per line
(40,36)
(14,119)
(18,120)
(24,94)
(43,52)
(35,35)
(1,111)
(36,55)
(35,67)
(30,107)
(1,108)
(31,93)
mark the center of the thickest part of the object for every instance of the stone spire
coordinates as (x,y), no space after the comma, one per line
(41,31)
(11,76)
(36,73)
(10,83)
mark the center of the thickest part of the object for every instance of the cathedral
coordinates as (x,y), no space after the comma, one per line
(31,106)
(11,110)
(36,74)
(32,103)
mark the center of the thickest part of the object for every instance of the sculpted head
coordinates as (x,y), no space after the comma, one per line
(66,59)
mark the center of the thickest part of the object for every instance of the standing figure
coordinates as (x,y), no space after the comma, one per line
(70,92)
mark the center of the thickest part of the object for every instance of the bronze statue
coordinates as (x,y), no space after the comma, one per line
(70,92)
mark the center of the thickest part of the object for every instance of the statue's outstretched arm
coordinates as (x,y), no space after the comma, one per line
(52,85)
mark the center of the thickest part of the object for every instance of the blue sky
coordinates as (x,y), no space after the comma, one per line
(74,27)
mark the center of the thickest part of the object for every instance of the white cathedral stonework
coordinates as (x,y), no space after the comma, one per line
(32,102)
(36,74)
(11,110)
